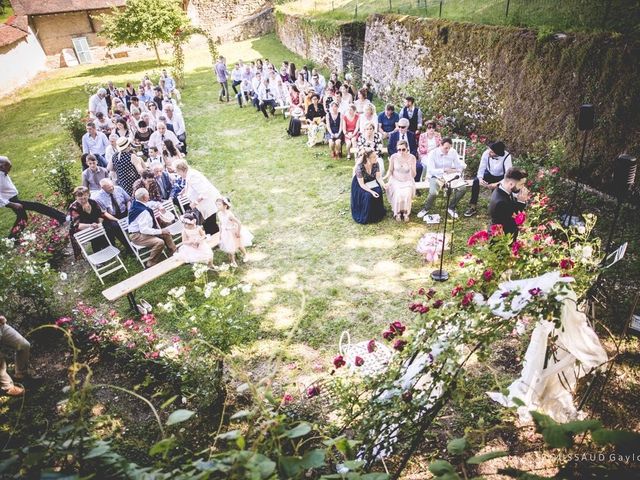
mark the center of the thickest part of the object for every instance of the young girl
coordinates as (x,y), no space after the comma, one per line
(194,248)
(233,236)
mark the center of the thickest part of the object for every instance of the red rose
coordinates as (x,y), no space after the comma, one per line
(487,274)
(397,327)
(438,303)
(515,248)
(496,230)
(407,396)
(371,346)
(566,264)
(287,399)
(431,293)
(421,291)
(424,309)
(467,299)
(388,335)
(313,391)
(339,361)
(471,282)
(519,218)
(456,291)
(359,361)
(399,344)
(534,292)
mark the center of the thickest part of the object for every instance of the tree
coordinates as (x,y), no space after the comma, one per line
(144,21)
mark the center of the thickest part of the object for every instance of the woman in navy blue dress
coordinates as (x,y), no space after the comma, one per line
(366,190)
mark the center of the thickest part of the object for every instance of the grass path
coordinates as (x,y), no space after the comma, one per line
(308,253)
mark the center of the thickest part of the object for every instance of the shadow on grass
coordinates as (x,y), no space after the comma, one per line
(134,66)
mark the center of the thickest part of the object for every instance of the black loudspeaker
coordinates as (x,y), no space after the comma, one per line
(587,117)
(624,173)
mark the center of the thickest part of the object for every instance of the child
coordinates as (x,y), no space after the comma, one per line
(233,236)
(194,248)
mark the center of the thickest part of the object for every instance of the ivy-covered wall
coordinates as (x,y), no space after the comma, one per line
(539,81)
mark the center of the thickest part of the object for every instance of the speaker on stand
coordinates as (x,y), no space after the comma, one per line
(624,177)
(586,123)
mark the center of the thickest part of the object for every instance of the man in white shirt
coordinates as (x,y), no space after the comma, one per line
(494,163)
(177,122)
(169,83)
(161,134)
(98,103)
(266,98)
(441,161)
(144,229)
(9,198)
(236,77)
(95,143)
(256,81)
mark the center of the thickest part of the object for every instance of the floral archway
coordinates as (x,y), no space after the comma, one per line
(179,39)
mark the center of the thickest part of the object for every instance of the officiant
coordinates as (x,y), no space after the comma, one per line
(202,195)
(443,163)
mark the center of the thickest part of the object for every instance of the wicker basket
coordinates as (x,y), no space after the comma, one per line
(373,362)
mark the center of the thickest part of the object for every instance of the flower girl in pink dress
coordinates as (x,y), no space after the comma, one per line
(194,248)
(233,236)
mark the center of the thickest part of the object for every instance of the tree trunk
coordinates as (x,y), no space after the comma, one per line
(155,47)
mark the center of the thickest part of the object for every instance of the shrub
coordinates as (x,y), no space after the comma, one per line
(75,123)
(60,174)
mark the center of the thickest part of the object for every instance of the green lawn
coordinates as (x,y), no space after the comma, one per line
(314,271)
(569,15)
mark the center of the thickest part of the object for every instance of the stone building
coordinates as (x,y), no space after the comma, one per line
(60,24)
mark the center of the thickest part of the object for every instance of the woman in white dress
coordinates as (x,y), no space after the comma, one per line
(402,186)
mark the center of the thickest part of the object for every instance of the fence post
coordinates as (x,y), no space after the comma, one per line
(440,14)
(506,12)
(390,6)
(356,10)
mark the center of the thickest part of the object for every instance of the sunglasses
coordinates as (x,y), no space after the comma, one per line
(402,149)
(402,128)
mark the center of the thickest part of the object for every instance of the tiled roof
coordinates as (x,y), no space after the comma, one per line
(43,7)
(14,29)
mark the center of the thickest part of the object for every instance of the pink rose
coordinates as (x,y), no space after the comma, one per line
(467,299)
(471,282)
(397,327)
(520,218)
(515,248)
(388,335)
(535,292)
(287,399)
(456,291)
(496,230)
(371,346)
(339,361)
(487,275)
(399,344)
(359,361)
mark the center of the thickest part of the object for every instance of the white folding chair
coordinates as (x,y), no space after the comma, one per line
(103,262)
(460,146)
(175,229)
(141,252)
(183,201)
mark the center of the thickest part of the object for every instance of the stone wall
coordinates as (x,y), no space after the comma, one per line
(20,62)
(232,20)
(55,31)
(540,81)
(331,45)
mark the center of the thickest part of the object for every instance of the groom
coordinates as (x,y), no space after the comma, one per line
(509,198)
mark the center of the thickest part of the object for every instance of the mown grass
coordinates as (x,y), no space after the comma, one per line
(314,271)
(571,15)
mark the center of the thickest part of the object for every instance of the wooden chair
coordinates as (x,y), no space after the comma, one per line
(103,262)
(460,146)
(141,252)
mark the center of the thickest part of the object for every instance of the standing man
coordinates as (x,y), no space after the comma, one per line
(98,103)
(9,198)
(412,113)
(509,198)
(169,83)
(222,75)
(11,338)
(494,163)
(440,161)
(202,195)
(387,121)
(95,143)
(144,228)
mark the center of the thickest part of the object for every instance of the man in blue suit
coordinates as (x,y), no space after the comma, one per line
(403,133)
(162,179)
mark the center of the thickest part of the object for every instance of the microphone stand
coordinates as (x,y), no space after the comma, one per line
(441,275)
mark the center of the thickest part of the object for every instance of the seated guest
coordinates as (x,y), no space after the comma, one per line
(403,134)
(334,130)
(412,113)
(336,81)
(149,120)
(148,181)
(508,198)
(256,81)
(281,93)
(245,94)
(443,160)
(111,149)
(387,121)
(315,119)
(350,129)
(368,116)
(295,98)
(266,98)
(87,213)
(347,97)
(9,337)
(141,137)
(163,180)
(98,103)
(95,143)
(103,123)
(177,123)
(366,189)
(122,129)
(93,174)
(494,163)
(155,156)
(429,140)
(329,95)
(301,83)
(144,228)
(402,185)
(154,114)
(9,198)
(318,87)
(171,155)
(361,101)
(369,139)
(113,199)
(315,109)
(161,135)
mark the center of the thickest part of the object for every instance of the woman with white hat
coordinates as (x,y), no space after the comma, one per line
(127,165)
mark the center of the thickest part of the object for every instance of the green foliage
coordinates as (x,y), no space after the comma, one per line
(59,172)
(144,21)
(74,123)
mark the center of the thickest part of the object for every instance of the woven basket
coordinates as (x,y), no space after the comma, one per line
(374,362)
